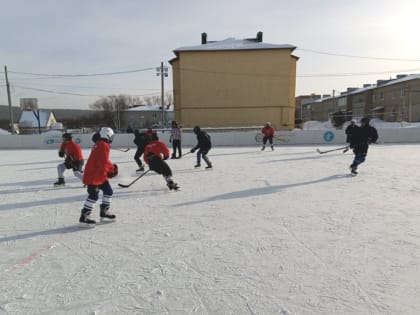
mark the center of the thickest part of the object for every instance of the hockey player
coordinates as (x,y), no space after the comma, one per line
(203,146)
(140,140)
(96,136)
(268,134)
(155,154)
(73,159)
(97,171)
(361,138)
(349,131)
(175,138)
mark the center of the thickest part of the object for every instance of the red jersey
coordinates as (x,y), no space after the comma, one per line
(72,149)
(268,131)
(98,164)
(157,148)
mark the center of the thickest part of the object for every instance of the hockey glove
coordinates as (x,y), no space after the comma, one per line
(61,153)
(192,150)
(114,172)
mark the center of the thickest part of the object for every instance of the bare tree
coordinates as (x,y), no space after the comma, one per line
(111,107)
(169,98)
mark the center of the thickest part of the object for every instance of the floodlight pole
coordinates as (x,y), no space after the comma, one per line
(9,99)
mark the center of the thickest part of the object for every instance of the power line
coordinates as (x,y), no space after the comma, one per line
(89,86)
(74,94)
(54,92)
(353,73)
(83,75)
(358,57)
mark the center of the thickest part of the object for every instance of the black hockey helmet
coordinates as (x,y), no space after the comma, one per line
(67,136)
(196,129)
(155,136)
(365,121)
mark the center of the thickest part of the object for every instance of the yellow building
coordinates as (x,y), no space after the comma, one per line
(234,83)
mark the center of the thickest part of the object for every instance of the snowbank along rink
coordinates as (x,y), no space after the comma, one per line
(283,232)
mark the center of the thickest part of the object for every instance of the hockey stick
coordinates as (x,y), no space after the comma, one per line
(122,150)
(322,152)
(128,185)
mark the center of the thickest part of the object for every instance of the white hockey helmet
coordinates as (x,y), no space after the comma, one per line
(107,134)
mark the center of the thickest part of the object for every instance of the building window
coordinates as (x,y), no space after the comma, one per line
(381,95)
(402,92)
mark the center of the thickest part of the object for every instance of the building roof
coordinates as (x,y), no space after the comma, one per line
(403,79)
(234,44)
(150,108)
(29,120)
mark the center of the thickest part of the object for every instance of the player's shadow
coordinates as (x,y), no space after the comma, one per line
(300,159)
(25,183)
(62,230)
(36,203)
(260,191)
(38,189)
(26,163)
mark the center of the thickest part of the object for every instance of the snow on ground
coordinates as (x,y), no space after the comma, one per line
(283,232)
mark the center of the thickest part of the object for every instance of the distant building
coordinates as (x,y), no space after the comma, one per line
(302,99)
(234,82)
(37,121)
(145,116)
(390,100)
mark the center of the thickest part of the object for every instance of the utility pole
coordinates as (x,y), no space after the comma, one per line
(409,104)
(9,99)
(162,72)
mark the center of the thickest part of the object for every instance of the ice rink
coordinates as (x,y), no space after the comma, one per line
(283,232)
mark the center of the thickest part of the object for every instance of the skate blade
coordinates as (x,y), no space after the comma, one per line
(106,220)
(86,225)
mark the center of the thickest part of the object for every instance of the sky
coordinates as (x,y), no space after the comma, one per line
(340,44)
(293,234)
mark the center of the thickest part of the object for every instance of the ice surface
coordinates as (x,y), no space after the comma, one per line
(283,232)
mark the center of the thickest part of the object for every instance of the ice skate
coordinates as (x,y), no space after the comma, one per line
(141,169)
(197,165)
(353,170)
(106,214)
(85,219)
(60,182)
(209,166)
(263,148)
(172,185)
(272,148)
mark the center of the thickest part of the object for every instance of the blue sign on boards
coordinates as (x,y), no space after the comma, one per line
(329,136)
(53,140)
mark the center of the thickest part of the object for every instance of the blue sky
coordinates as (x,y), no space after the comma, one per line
(86,37)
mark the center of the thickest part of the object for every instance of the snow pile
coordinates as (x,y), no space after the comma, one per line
(150,108)
(53,132)
(380,124)
(4,132)
(317,125)
(377,123)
